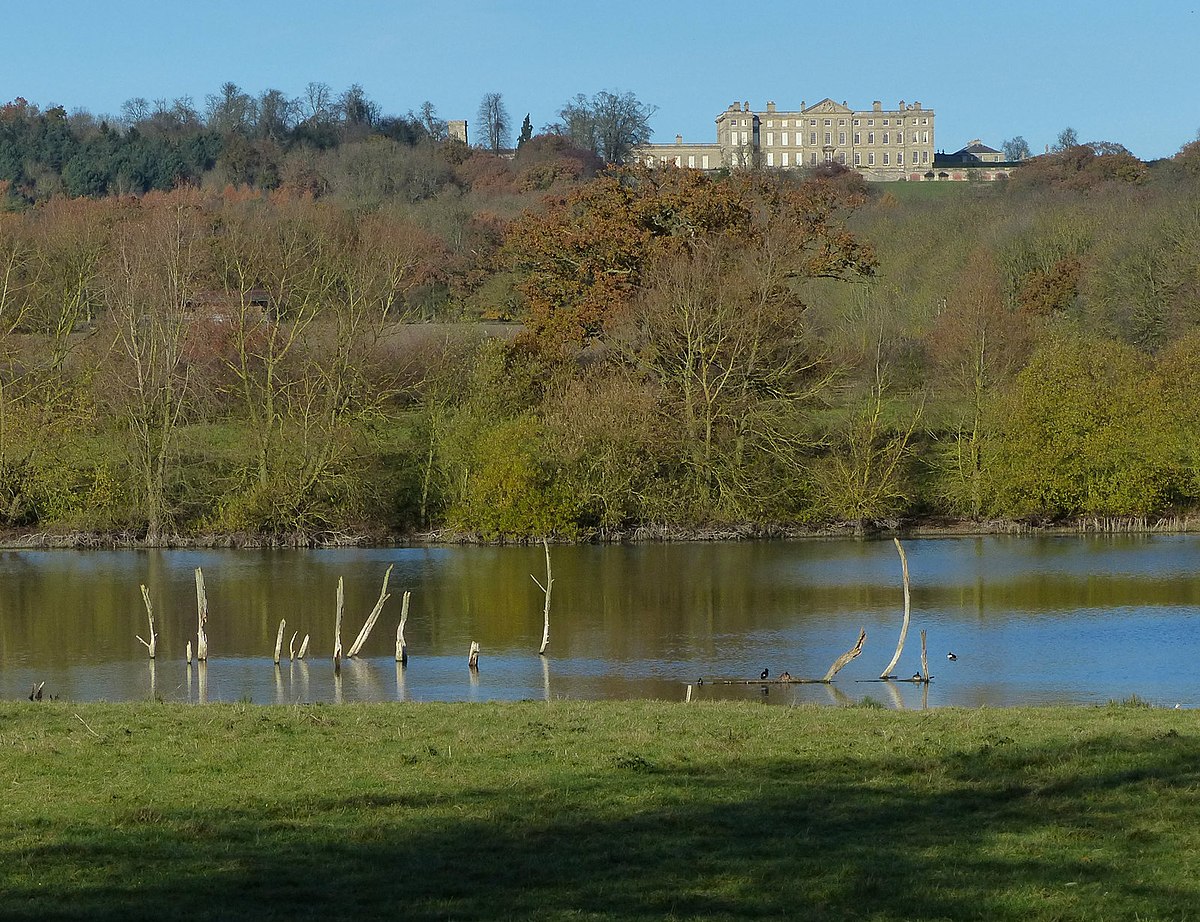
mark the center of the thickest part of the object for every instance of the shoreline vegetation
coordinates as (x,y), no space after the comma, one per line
(612,810)
(378,331)
(917,528)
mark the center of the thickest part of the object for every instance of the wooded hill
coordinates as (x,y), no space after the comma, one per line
(691,351)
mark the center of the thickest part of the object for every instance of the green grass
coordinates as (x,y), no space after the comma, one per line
(597,810)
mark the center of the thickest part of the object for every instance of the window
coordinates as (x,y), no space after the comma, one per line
(829,137)
(784,159)
(885,137)
(899,158)
(842,158)
(745,137)
(885,121)
(829,156)
(841,123)
(924,137)
(733,122)
(870,122)
(842,138)
(811,122)
(812,158)
(871,158)
(704,162)
(857,138)
(924,156)
(899,122)
(857,159)
(924,121)
(870,137)
(812,137)
(770,139)
(692,161)
(770,158)
(828,122)
(783,139)
(856,123)
(885,158)
(899,137)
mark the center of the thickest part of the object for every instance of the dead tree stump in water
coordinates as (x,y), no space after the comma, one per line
(401,646)
(152,643)
(473,658)
(846,657)
(373,617)
(279,640)
(887,670)
(546,590)
(201,618)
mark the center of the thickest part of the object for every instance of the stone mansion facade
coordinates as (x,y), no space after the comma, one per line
(881,144)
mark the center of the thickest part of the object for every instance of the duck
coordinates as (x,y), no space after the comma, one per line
(916,677)
(765,673)
(951,657)
(785,677)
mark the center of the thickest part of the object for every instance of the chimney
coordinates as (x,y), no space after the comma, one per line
(770,107)
(745,106)
(902,105)
(877,106)
(678,139)
(917,106)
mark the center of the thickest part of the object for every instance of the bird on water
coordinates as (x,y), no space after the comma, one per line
(765,673)
(951,657)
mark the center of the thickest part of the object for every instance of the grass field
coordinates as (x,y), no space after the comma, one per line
(570,810)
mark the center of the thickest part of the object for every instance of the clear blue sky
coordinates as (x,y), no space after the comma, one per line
(1121,70)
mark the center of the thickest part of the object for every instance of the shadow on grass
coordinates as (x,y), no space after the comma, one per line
(1000,831)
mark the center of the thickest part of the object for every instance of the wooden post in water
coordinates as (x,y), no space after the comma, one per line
(887,670)
(546,590)
(201,618)
(279,640)
(303,648)
(337,629)
(924,661)
(401,646)
(152,643)
(373,617)
(189,653)
(473,658)
(846,657)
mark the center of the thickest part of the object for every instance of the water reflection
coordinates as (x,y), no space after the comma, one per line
(1031,619)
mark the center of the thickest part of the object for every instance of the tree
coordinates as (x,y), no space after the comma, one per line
(494,123)
(231,111)
(610,125)
(1067,138)
(526,132)
(584,260)
(1016,148)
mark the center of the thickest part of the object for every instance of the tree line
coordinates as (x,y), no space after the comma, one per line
(265,141)
(689,350)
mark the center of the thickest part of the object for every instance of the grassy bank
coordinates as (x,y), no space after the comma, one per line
(587,810)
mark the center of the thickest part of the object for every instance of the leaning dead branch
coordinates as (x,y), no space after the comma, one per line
(887,670)
(373,617)
(846,657)
(201,618)
(545,589)
(303,648)
(152,643)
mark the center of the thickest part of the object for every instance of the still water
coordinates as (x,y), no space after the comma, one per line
(1031,620)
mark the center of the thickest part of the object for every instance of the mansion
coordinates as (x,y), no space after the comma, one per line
(881,144)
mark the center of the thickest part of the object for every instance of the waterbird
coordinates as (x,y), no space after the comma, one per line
(765,673)
(951,657)
(785,677)
(916,676)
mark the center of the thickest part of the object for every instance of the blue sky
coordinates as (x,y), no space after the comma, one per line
(1121,71)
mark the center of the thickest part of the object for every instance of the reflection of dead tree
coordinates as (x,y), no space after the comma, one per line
(887,670)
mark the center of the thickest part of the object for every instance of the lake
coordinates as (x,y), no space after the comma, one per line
(1030,619)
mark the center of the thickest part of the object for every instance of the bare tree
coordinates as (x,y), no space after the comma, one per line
(495,126)
(1015,148)
(610,125)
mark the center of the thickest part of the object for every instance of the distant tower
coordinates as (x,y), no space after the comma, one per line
(457,131)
